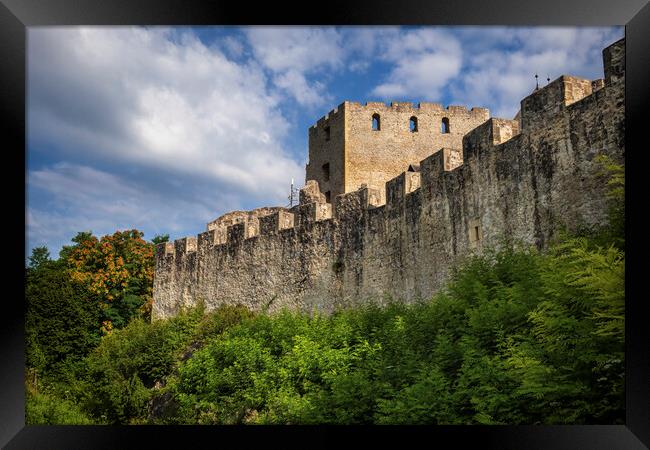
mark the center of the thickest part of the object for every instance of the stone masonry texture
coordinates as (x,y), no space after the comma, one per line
(387,213)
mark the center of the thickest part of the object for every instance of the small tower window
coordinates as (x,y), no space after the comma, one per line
(376,125)
(327,133)
(326,172)
(328,197)
(475,233)
(413,124)
(445,125)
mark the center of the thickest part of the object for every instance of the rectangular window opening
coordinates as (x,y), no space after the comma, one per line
(326,172)
(328,197)
(327,133)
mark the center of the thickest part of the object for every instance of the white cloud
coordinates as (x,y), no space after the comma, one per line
(481,66)
(424,61)
(297,48)
(421,77)
(364,43)
(500,63)
(201,134)
(155,99)
(233,46)
(297,86)
(292,54)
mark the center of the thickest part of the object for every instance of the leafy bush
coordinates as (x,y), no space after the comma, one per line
(121,371)
(518,337)
(45,409)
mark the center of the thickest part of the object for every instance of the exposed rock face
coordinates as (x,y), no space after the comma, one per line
(514,179)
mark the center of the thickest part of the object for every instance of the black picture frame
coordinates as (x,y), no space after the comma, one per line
(16,15)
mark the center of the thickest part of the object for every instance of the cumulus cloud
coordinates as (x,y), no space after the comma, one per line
(423,61)
(305,93)
(499,64)
(295,54)
(152,98)
(233,46)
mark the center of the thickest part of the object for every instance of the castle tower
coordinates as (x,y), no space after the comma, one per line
(370,144)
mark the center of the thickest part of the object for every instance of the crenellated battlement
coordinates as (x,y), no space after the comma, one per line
(185,245)
(553,98)
(391,210)
(329,117)
(421,107)
(435,109)
(273,223)
(234,228)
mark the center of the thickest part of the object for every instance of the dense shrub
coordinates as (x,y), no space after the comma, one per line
(46,410)
(121,371)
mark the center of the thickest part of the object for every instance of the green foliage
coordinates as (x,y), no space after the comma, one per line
(41,409)
(426,401)
(160,238)
(118,270)
(40,256)
(518,337)
(96,285)
(82,236)
(225,317)
(60,321)
(121,371)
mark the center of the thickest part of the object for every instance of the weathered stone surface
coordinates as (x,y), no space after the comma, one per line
(345,152)
(311,193)
(400,239)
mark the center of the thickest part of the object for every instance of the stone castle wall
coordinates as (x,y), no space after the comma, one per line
(359,155)
(374,157)
(327,147)
(402,241)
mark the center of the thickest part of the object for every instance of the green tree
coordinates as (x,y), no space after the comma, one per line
(61,321)
(160,238)
(40,256)
(118,270)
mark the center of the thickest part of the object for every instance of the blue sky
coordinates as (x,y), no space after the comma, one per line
(164,129)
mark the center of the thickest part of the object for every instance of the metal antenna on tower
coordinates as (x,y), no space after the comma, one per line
(293,195)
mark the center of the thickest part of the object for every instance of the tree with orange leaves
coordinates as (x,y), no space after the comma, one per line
(117,270)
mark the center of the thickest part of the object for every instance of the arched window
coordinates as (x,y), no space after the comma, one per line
(413,124)
(445,125)
(376,126)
